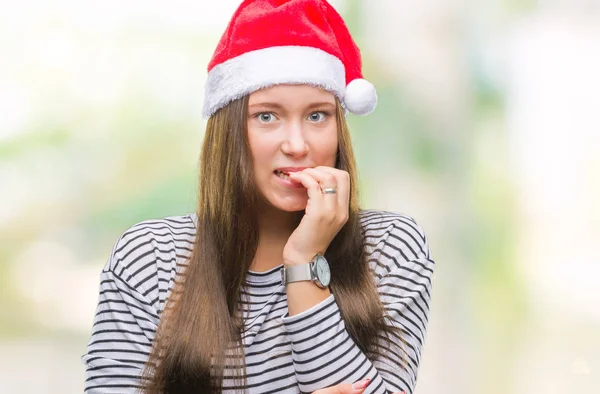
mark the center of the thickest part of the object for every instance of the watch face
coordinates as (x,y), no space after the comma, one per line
(322,268)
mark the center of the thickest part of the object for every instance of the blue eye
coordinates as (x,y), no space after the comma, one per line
(265,117)
(317,116)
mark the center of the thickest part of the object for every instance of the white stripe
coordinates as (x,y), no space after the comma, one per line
(262,68)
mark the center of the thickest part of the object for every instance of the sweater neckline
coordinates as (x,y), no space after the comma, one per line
(270,276)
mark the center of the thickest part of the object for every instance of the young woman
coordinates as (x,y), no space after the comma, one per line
(279,282)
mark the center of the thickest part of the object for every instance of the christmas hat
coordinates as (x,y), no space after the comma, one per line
(271,42)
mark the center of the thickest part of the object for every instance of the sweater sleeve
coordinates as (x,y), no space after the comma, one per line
(323,352)
(122,331)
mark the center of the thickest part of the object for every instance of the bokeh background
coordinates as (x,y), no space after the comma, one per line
(487,132)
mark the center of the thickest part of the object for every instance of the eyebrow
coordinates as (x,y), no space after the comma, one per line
(271,105)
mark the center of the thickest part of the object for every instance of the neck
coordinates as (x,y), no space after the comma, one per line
(275,228)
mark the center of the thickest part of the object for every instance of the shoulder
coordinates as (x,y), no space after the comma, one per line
(393,239)
(395,229)
(152,250)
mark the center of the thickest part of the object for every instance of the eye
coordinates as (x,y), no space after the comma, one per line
(265,117)
(317,117)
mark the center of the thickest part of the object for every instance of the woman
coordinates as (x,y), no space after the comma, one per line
(279,283)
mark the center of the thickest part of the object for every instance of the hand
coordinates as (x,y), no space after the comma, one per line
(324,216)
(347,388)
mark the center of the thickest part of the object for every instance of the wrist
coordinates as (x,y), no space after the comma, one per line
(316,270)
(296,258)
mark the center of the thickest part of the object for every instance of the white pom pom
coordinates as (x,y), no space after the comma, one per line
(360,97)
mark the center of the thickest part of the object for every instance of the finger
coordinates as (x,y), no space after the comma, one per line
(311,184)
(343,187)
(326,180)
(345,388)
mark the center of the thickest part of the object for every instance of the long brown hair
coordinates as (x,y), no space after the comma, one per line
(199,335)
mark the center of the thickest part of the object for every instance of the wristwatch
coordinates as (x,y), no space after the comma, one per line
(316,270)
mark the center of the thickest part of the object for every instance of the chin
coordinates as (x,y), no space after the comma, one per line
(292,209)
(288,204)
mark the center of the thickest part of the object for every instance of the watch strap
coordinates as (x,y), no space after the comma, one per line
(297,273)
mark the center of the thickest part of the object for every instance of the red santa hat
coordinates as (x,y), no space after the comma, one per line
(271,42)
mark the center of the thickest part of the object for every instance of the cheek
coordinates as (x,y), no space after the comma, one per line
(258,147)
(327,148)
(262,155)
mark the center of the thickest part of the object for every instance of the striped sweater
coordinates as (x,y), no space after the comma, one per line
(284,354)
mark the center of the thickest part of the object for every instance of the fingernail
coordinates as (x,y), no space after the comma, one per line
(361,384)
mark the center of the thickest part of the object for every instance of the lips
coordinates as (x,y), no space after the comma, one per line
(288,170)
(283,175)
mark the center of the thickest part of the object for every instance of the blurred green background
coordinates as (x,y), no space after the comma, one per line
(487,132)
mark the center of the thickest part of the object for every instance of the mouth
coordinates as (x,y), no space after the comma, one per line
(284,172)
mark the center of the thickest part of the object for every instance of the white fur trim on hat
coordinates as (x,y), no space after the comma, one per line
(360,97)
(266,67)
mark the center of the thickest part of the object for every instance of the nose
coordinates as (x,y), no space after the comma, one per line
(294,144)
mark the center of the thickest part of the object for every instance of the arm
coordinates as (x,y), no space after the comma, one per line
(323,352)
(122,332)
(406,297)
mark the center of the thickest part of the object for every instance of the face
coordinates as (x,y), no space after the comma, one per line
(290,127)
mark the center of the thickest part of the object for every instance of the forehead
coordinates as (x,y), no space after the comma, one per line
(291,95)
